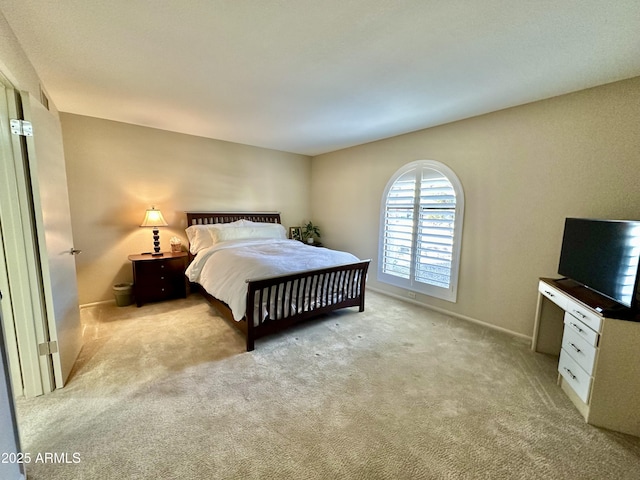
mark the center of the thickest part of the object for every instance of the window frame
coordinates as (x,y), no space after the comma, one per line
(449,294)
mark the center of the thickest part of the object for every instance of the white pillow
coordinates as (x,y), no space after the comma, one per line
(204,236)
(199,238)
(250,230)
(237,223)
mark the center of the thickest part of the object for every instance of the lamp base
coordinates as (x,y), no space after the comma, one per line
(156,243)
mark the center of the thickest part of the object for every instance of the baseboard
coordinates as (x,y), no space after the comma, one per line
(453,314)
(95,304)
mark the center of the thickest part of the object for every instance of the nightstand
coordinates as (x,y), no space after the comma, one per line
(314,244)
(157,278)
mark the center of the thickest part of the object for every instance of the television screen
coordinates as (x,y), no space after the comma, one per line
(603,256)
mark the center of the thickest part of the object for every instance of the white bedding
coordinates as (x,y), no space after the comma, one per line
(224,268)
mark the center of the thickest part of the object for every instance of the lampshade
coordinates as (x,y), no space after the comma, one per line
(153,218)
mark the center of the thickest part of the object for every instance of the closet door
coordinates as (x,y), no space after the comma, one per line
(23,306)
(55,238)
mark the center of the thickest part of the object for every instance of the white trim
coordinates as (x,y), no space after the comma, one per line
(527,338)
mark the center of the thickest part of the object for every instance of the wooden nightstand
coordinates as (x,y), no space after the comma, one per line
(314,244)
(157,278)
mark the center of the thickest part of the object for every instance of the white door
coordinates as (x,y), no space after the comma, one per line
(55,238)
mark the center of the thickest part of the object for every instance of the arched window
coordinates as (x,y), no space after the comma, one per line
(421,230)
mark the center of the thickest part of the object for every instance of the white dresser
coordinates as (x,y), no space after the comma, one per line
(599,357)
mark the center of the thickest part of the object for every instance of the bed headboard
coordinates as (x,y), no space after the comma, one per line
(209,218)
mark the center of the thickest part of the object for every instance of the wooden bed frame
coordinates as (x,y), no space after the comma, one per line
(309,288)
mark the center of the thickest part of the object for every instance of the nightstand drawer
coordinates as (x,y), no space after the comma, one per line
(159,289)
(161,268)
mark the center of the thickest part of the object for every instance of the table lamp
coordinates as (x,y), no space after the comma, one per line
(153,218)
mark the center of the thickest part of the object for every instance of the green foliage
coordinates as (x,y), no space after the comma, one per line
(310,230)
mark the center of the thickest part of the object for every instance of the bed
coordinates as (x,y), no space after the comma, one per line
(282,282)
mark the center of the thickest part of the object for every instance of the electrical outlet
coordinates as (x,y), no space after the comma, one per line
(411,294)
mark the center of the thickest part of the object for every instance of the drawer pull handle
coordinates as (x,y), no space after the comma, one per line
(575,348)
(573,377)
(549,293)
(576,327)
(580,313)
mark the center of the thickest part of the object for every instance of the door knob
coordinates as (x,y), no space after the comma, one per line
(74,251)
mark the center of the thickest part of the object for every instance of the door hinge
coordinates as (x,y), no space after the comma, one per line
(21,127)
(47,348)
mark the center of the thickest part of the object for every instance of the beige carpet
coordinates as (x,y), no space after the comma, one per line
(166,391)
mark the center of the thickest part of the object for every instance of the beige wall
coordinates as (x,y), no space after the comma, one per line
(523,171)
(116,171)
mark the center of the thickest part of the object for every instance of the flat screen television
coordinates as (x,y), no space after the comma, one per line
(604,256)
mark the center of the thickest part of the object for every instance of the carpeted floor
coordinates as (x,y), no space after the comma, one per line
(166,391)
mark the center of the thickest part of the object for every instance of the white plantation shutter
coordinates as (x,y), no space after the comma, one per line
(434,247)
(398,226)
(421,228)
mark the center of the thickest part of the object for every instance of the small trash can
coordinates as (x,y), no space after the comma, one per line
(123,293)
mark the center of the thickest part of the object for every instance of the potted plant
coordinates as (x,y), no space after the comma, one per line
(310,231)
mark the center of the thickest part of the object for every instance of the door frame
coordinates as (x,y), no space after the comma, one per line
(9,435)
(6,307)
(24,308)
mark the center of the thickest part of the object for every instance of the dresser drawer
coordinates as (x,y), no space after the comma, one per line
(585,315)
(553,294)
(577,378)
(589,335)
(579,349)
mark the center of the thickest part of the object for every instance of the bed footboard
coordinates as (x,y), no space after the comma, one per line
(275,303)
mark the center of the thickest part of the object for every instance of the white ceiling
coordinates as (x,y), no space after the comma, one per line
(312,76)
